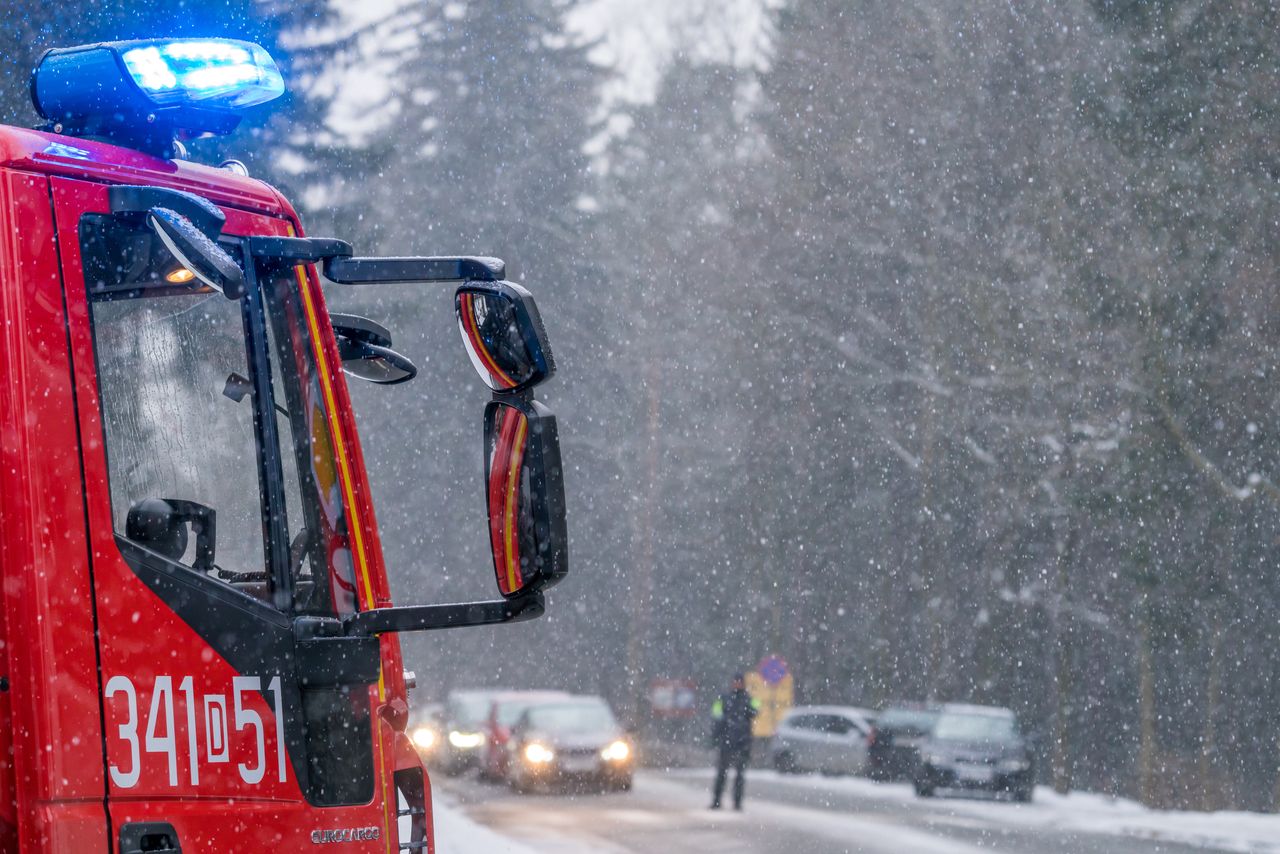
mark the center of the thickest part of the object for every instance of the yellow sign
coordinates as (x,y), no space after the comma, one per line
(773,702)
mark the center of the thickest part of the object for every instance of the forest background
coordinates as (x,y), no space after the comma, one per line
(928,344)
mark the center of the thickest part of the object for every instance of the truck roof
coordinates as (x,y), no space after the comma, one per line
(71,157)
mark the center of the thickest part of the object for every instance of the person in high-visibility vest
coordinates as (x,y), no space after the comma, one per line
(731,716)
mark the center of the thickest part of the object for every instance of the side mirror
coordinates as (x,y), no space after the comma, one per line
(201,258)
(525,492)
(524,480)
(160,524)
(503,334)
(365,349)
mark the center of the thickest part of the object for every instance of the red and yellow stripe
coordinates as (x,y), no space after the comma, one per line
(504,498)
(349,498)
(467,316)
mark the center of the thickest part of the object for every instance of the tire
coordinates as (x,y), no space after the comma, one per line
(785,763)
(1023,794)
(924,790)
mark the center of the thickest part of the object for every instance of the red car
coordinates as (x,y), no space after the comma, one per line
(503,714)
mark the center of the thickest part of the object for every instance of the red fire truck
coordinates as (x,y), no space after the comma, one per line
(198,644)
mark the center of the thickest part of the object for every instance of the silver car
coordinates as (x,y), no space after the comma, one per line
(830,739)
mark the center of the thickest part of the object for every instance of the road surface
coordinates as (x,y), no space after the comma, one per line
(666,813)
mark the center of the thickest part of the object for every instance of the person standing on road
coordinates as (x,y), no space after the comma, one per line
(731,717)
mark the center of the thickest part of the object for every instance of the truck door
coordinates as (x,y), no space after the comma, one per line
(236,716)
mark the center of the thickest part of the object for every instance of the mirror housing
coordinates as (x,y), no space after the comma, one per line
(207,261)
(160,524)
(525,490)
(503,335)
(365,349)
(524,487)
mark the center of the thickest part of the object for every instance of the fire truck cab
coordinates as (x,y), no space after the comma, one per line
(198,647)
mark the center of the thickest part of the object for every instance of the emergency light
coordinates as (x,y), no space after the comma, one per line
(140,93)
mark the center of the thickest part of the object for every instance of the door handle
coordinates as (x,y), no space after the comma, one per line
(149,837)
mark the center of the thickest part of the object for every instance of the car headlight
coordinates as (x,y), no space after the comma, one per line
(424,737)
(466,740)
(1012,765)
(619,751)
(538,754)
(935,759)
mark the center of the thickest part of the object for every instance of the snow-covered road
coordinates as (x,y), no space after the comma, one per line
(666,813)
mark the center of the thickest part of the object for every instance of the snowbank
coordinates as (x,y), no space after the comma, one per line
(457,834)
(1079,812)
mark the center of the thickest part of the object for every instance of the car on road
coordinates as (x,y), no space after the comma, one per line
(894,742)
(504,712)
(830,739)
(426,730)
(976,748)
(577,742)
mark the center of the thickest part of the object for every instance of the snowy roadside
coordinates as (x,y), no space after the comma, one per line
(1082,812)
(457,834)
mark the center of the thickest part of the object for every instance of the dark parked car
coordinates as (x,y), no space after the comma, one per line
(976,747)
(576,741)
(894,742)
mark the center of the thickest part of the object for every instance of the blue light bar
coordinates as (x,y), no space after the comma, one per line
(209,72)
(140,92)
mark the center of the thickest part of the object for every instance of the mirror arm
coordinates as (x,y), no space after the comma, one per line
(442,268)
(340,267)
(422,618)
(298,250)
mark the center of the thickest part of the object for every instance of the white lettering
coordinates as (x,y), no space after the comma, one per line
(215,728)
(162,704)
(161,734)
(278,710)
(128,731)
(187,686)
(249,718)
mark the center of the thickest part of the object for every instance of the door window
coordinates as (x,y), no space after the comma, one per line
(189,461)
(181,450)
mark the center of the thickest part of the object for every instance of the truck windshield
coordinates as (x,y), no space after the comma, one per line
(178,381)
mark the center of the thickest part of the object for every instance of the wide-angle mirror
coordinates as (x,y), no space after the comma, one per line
(503,334)
(365,349)
(198,258)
